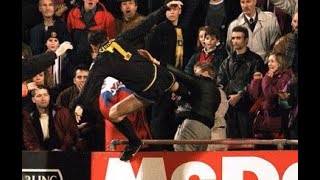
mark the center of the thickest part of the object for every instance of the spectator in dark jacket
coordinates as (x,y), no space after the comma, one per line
(234,76)
(204,99)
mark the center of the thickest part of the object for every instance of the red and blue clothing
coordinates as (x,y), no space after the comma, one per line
(113,91)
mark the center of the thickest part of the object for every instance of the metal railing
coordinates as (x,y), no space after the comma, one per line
(280,143)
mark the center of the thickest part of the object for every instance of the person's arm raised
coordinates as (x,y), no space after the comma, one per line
(145,26)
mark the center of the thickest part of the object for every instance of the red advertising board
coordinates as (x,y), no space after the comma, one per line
(219,165)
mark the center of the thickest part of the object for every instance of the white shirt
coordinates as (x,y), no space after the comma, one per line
(44,121)
(253,17)
(57,67)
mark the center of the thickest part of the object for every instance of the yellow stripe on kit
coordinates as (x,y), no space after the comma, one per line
(113,45)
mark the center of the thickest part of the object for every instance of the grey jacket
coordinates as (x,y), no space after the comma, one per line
(219,119)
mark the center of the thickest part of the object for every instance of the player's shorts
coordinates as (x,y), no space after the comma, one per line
(162,82)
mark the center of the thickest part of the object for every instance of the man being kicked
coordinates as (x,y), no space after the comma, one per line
(204,99)
(118,59)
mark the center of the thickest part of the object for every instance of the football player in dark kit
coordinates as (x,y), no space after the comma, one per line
(119,59)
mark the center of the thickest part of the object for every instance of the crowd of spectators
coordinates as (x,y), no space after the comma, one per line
(252,46)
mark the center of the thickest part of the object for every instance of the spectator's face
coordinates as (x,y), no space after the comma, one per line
(46,7)
(273,64)
(173,13)
(128,8)
(210,42)
(238,41)
(39,79)
(202,37)
(248,7)
(41,98)
(294,22)
(90,4)
(80,78)
(52,44)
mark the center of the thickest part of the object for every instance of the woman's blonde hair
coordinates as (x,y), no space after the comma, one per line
(281,59)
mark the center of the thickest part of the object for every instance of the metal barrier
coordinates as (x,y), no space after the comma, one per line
(278,142)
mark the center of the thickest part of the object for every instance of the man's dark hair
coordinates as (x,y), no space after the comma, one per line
(33,92)
(212,31)
(97,37)
(241,29)
(81,67)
